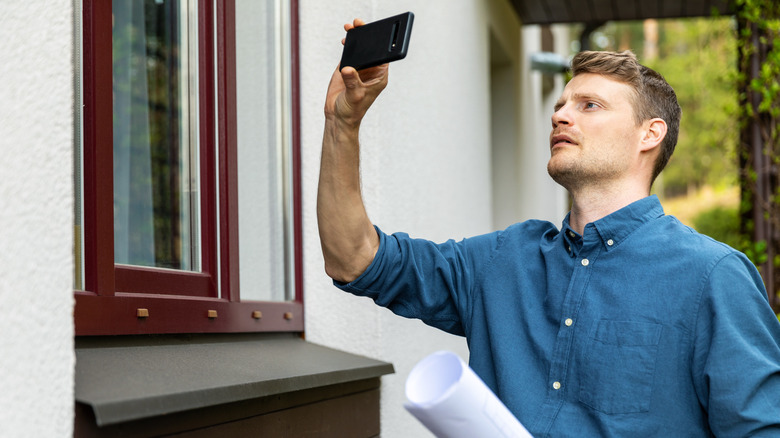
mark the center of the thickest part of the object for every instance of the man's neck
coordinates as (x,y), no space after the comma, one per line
(592,204)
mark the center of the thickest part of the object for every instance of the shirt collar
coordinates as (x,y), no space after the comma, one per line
(616,227)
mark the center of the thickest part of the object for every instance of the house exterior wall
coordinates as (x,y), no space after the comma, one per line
(541,197)
(36,219)
(426,161)
(426,166)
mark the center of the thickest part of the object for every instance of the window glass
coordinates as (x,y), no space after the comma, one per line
(264,144)
(155,144)
(78,152)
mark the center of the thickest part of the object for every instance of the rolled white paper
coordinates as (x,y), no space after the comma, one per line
(452,401)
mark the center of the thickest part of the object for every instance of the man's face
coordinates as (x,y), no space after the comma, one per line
(594,137)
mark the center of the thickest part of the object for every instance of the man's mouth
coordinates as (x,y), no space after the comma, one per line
(561,140)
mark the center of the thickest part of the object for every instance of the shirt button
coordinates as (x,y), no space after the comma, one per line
(585,262)
(556,385)
(610,242)
(571,233)
(568,322)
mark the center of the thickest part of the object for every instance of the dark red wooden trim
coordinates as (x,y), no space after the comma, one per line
(98,166)
(169,282)
(296,152)
(207,126)
(228,149)
(118,315)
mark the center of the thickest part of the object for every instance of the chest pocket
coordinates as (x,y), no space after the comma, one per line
(617,375)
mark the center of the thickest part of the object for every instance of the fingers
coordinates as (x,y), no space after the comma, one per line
(355,23)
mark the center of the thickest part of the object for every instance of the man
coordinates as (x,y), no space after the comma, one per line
(622,323)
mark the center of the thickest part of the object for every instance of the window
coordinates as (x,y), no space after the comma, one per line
(187,141)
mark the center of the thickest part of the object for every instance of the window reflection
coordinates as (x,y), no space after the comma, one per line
(155,160)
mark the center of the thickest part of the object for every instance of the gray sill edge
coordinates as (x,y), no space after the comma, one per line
(126,378)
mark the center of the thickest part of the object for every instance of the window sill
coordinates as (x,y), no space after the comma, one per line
(126,379)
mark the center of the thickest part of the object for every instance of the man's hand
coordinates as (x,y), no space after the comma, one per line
(351,93)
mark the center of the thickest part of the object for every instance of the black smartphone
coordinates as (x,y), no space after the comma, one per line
(377,42)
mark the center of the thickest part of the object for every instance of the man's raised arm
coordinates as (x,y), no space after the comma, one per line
(349,241)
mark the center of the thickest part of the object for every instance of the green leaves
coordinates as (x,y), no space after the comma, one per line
(698,58)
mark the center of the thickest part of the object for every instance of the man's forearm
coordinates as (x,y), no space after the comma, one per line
(349,241)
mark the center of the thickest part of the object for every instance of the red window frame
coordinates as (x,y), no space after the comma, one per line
(121,299)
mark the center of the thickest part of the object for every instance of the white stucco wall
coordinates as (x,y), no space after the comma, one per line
(549,200)
(36,219)
(426,165)
(425,170)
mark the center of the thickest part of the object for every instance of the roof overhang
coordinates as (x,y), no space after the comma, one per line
(599,11)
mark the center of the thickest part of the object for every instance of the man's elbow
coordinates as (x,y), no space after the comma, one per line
(348,259)
(341,273)
(346,269)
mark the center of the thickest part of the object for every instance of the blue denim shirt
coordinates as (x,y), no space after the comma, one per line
(639,327)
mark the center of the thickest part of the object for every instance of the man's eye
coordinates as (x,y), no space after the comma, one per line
(590,105)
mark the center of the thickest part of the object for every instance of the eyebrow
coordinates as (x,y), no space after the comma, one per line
(578,97)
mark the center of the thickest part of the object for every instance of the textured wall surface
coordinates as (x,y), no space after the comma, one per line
(36,219)
(426,165)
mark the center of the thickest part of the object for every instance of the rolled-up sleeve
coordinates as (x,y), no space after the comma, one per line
(417,278)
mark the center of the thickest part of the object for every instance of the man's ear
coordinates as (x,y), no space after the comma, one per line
(655,132)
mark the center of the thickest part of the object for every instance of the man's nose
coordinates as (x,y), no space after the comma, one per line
(561,117)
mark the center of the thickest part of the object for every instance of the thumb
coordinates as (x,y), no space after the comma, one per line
(350,77)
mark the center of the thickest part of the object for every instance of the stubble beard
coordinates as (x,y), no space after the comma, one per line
(565,174)
(573,172)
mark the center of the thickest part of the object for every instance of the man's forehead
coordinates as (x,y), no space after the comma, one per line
(595,86)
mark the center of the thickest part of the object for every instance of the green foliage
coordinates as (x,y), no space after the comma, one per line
(698,58)
(720,223)
(723,224)
(756,251)
(762,34)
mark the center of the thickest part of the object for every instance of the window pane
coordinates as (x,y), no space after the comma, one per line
(262,88)
(155,159)
(78,152)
